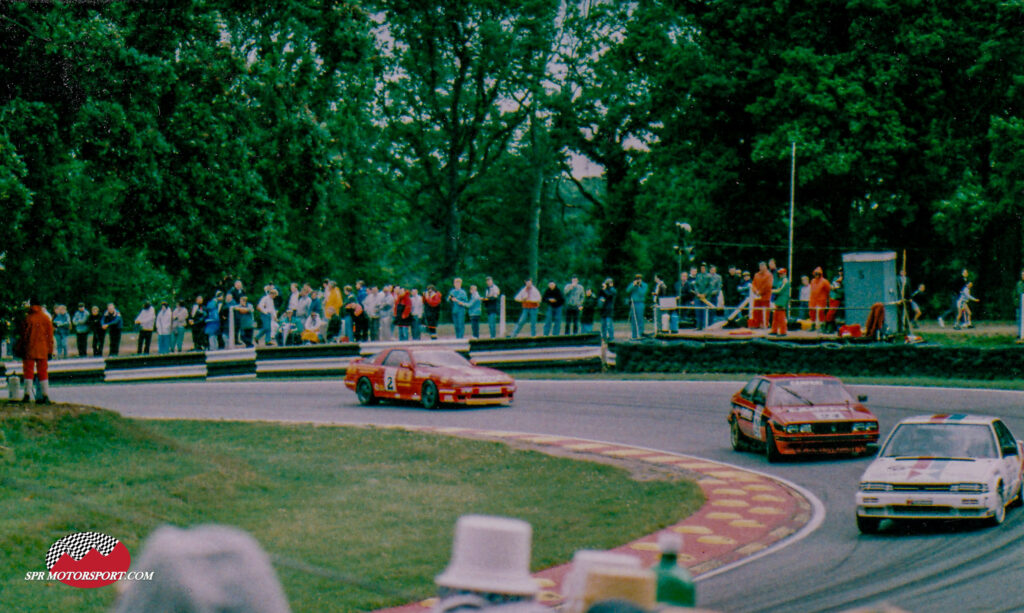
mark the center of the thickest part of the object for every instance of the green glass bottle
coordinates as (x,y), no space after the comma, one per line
(675,585)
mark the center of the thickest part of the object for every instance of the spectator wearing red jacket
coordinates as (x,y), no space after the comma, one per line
(35,346)
(820,288)
(762,286)
(403,313)
(431,309)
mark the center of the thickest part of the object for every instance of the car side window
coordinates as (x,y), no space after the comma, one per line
(396,358)
(761,393)
(748,390)
(1007,443)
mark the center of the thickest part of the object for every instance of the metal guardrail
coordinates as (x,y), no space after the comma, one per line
(324,360)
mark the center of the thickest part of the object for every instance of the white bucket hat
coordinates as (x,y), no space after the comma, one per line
(490,555)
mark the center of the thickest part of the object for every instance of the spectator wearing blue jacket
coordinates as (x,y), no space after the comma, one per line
(212,328)
(111,324)
(475,309)
(637,295)
(459,299)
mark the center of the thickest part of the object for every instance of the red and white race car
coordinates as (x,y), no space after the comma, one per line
(429,376)
(942,467)
(791,414)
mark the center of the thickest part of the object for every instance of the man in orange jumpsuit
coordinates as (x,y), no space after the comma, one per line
(818,304)
(781,294)
(35,346)
(762,288)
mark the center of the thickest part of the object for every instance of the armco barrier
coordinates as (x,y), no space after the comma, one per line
(573,352)
(578,352)
(231,363)
(84,370)
(305,360)
(190,365)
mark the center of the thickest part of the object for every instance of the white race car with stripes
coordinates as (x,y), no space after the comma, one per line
(942,467)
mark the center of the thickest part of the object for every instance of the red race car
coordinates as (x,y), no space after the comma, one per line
(429,376)
(791,414)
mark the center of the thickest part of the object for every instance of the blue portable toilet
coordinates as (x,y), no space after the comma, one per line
(870,277)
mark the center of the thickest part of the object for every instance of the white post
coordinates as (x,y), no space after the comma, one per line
(1020,318)
(231,328)
(501,317)
(792,207)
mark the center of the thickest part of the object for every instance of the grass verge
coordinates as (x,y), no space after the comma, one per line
(355,518)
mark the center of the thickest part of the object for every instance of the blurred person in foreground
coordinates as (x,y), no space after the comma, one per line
(204,569)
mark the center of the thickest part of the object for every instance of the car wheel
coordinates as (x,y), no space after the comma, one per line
(428,395)
(738,440)
(1000,512)
(771,451)
(868,525)
(364,392)
(1019,498)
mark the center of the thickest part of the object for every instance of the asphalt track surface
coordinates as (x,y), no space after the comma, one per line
(919,568)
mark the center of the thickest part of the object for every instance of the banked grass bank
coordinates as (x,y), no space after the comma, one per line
(847,359)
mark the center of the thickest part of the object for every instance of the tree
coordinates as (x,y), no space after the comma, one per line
(890,105)
(605,112)
(449,104)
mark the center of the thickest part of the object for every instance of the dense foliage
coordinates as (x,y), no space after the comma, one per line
(147,150)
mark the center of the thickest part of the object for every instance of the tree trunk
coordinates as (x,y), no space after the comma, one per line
(536,201)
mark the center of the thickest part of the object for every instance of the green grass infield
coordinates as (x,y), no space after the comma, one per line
(354,518)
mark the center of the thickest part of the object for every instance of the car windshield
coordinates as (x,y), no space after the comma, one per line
(941,441)
(808,392)
(440,358)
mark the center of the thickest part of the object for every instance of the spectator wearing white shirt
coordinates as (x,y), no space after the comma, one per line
(146,320)
(164,320)
(268,313)
(417,312)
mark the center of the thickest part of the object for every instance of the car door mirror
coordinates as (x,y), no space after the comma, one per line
(407,365)
(862,398)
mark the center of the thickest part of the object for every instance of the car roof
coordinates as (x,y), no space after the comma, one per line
(788,376)
(949,418)
(414,349)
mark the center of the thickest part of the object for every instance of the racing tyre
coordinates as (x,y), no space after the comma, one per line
(771,451)
(429,396)
(364,392)
(1000,514)
(738,440)
(1019,500)
(868,525)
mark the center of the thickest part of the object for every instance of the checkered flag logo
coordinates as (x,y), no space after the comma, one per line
(77,545)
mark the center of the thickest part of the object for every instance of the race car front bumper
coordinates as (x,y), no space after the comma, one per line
(479,395)
(926,505)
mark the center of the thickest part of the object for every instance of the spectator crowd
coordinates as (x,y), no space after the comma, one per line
(700,298)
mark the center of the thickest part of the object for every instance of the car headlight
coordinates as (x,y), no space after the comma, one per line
(805,428)
(792,429)
(969,488)
(865,426)
(875,486)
